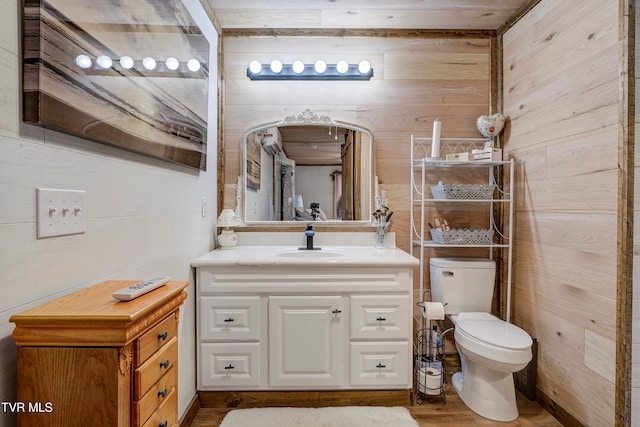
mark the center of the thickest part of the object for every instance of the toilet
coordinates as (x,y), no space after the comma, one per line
(490,349)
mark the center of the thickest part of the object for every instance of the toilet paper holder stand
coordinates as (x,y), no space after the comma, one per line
(429,358)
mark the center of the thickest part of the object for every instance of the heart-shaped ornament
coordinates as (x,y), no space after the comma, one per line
(490,126)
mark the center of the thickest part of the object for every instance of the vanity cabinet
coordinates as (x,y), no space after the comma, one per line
(269,324)
(87,359)
(305,341)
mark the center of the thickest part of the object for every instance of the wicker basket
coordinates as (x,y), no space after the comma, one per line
(462,191)
(462,236)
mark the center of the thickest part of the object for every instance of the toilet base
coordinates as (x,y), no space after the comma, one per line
(495,401)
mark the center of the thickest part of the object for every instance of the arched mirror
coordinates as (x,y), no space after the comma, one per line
(307,168)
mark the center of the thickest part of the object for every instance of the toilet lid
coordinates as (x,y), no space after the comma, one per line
(488,328)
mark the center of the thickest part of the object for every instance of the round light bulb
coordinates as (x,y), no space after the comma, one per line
(255,67)
(104,61)
(320,66)
(276,66)
(126,62)
(193,65)
(364,67)
(342,67)
(297,67)
(149,63)
(172,63)
(83,61)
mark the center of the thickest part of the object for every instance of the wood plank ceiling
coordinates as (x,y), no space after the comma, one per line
(364,14)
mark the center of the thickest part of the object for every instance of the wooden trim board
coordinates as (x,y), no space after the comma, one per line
(315,399)
(626,170)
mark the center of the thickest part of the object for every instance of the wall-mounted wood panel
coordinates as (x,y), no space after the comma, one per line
(415,80)
(560,68)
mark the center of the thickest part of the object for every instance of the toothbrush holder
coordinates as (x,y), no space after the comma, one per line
(381,234)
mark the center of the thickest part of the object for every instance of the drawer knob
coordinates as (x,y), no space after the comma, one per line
(229,367)
(380,366)
(229,320)
(337,311)
(165,364)
(381,319)
(163,336)
(163,393)
(165,423)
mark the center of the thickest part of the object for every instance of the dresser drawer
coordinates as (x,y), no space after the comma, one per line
(381,363)
(380,317)
(155,367)
(235,364)
(230,318)
(157,394)
(167,413)
(152,340)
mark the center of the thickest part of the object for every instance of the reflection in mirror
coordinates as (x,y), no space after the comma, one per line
(308,168)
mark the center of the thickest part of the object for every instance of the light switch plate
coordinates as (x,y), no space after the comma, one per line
(61,212)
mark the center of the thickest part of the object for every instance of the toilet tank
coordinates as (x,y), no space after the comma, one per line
(463,284)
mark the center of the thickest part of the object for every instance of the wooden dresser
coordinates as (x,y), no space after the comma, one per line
(87,359)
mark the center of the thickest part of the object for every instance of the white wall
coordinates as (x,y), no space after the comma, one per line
(144,215)
(315,184)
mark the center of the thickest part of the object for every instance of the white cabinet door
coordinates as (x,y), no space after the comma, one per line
(305,341)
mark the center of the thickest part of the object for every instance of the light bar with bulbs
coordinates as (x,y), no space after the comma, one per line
(171,66)
(320,70)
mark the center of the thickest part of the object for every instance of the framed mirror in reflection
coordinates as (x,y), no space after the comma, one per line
(308,168)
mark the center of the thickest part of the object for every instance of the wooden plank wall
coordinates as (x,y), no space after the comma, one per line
(416,79)
(560,68)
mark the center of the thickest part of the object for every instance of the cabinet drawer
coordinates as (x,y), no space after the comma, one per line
(167,413)
(230,318)
(230,364)
(385,364)
(152,340)
(380,317)
(157,394)
(155,367)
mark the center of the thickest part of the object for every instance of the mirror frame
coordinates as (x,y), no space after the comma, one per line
(306,118)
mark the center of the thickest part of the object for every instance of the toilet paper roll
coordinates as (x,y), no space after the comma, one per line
(433,310)
(429,381)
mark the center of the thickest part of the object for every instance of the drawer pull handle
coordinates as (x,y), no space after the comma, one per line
(229,367)
(163,393)
(337,311)
(163,336)
(380,366)
(165,364)
(381,319)
(229,319)
(165,423)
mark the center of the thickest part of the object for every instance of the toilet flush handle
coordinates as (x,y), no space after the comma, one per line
(447,273)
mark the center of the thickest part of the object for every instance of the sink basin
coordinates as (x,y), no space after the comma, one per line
(304,254)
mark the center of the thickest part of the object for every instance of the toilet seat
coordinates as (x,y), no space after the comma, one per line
(492,338)
(488,328)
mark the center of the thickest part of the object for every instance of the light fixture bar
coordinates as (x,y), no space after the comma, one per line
(309,73)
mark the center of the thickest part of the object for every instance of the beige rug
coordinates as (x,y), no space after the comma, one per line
(335,416)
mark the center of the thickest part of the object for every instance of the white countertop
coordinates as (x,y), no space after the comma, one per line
(333,256)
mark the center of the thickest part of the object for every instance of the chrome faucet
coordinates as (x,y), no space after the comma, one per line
(309,232)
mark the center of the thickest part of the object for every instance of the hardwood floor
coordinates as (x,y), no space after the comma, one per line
(432,413)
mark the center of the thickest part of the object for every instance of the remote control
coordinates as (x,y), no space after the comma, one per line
(140,288)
